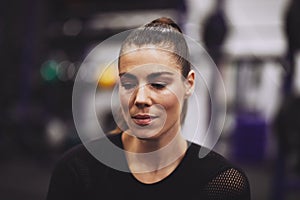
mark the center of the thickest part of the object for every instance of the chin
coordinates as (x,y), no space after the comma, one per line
(145,134)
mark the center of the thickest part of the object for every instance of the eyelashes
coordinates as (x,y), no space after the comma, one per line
(156,85)
(128,86)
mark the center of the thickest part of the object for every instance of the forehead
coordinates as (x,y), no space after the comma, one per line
(148,60)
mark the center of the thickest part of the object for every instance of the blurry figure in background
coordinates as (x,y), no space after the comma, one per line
(292,31)
(155,83)
(214,34)
(182,12)
(287,128)
(215,31)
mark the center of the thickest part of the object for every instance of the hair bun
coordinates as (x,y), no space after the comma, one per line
(164,22)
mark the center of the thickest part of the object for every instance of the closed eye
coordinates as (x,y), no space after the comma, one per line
(158,85)
(128,86)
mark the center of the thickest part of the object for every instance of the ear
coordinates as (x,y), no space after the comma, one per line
(190,83)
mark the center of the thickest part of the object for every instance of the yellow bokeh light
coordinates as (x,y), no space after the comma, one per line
(108,77)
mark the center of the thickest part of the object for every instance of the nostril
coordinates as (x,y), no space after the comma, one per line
(141,105)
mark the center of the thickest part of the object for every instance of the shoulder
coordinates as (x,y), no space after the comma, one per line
(76,171)
(71,166)
(231,183)
(221,179)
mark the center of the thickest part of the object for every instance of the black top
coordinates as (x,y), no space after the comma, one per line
(78,175)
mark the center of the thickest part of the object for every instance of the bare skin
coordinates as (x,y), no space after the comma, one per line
(154,149)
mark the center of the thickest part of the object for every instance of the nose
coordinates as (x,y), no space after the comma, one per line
(142,97)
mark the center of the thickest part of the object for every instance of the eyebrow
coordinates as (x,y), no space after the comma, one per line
(150,76)
(126,75)
(157,74)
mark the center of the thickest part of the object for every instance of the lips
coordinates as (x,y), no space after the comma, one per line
(143,119)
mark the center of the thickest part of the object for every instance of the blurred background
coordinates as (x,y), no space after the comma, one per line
(255,45)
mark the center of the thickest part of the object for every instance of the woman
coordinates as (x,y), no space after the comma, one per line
(155,82)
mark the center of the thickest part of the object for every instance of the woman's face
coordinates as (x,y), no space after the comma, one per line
(152,91)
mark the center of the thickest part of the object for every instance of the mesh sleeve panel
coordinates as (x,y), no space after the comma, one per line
(229,185)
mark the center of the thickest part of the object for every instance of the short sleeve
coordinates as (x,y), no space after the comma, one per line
(231,184)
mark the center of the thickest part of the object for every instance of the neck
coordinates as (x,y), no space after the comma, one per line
(148,155)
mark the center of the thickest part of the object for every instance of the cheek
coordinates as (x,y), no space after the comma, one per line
(174,97)
(171,102)
(124,100)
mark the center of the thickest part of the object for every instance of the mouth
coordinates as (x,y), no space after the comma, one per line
(143,119)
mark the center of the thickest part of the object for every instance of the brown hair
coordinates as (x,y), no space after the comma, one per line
(165,34)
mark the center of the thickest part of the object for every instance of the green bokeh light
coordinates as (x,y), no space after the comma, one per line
(49,70)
